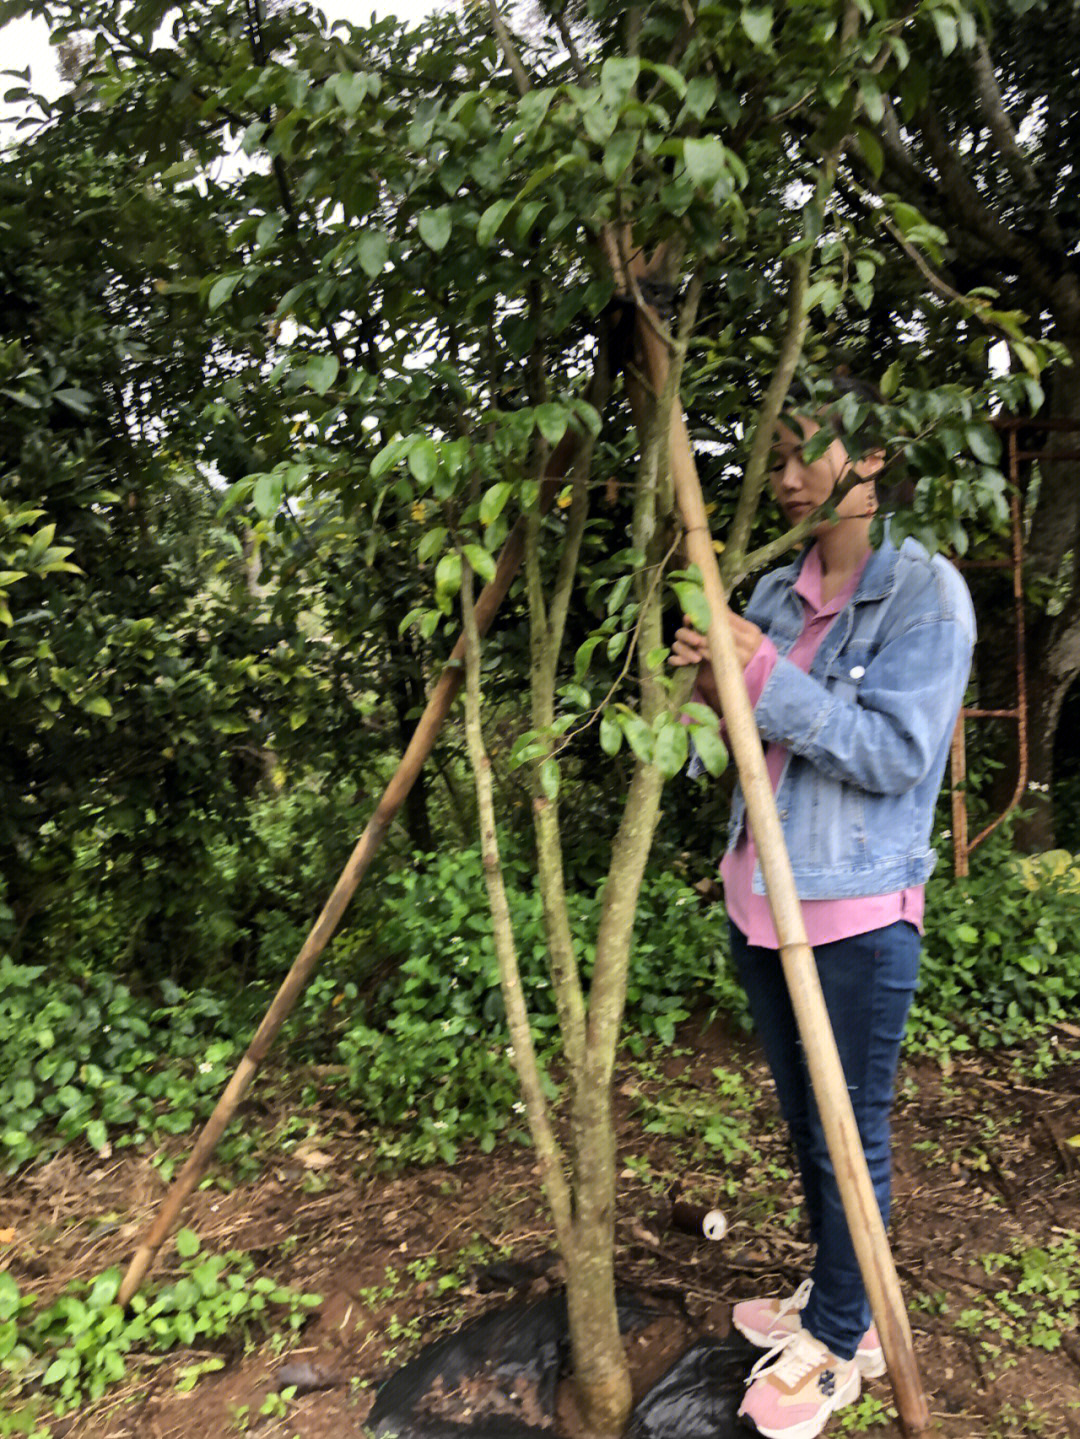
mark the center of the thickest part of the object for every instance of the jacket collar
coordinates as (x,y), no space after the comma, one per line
(878,579)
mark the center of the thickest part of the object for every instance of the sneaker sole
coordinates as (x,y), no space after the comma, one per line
(869,1362)
(810,1428)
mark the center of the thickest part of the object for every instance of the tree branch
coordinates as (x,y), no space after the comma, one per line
(509,50)
(997,119)
(791,349)
(549,1154)
(965,201)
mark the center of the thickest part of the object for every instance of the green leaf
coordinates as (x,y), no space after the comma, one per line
(448,576)
(671,749)
(105,1290)
(700,95)
(670,76)
(75,399)
(431,543)
(576,695)
(350,90)
(589,416)
(493,501)
(491,219)
(947,29)
(584,655)
(372,250)
(694,605)
(984,444)
(533,107)
(423,459)
(551,421)
(639,735)
(319,373)
(618,76)
(97,705)
(619,152)
(267,494)
(705,160)
(9,1297)
(549,778)
(221,289)
(890,380)
(434,227)
(96,1134)
(481,562)
(757,21)
(187,1243)
(711,750)
(611,735)
(389,456)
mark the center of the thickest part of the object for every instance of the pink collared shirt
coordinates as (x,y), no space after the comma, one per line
(826,919)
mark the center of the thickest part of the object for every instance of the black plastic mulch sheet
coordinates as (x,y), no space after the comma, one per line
(696,1399)
(699,1396)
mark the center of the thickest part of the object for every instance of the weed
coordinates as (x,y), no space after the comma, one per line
(276,1403)
(80,1345)
(1018,1423)
(717,1122)
(1036,1301)
(868,1413)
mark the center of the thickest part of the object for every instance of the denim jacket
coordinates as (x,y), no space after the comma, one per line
(868,729)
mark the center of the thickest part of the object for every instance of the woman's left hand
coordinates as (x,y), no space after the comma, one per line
(747,638)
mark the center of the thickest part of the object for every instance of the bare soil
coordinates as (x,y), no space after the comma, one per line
(984,1165)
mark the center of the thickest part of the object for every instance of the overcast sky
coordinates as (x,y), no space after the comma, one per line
(26,42)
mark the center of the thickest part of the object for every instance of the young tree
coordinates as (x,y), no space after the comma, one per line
(425,248)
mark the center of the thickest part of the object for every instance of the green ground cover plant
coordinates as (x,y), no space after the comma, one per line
(408,1016)
(61,1356)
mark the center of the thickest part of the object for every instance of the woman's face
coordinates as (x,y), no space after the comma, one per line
(800,487)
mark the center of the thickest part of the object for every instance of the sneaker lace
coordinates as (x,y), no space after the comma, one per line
(790,1360)
(797,1300)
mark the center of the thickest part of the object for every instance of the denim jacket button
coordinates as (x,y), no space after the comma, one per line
(857,672)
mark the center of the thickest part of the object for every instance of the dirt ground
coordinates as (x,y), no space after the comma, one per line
(985,1167)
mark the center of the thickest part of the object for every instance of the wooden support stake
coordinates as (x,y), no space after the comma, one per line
(823,1060)
(420,746)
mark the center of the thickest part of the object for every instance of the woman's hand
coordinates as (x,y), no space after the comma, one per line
(747,638)
(692,648)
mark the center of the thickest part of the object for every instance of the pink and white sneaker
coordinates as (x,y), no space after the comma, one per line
(769,1322)
(796,1387)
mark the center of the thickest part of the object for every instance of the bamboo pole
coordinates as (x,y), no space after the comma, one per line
(292,986)
(800,972)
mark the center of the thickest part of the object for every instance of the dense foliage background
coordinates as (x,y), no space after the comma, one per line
(254,275)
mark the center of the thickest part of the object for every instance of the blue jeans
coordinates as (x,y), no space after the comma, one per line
(868,981)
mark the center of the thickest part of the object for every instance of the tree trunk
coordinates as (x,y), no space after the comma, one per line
(1053,649)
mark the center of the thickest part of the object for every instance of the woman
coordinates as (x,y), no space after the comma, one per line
(856,661)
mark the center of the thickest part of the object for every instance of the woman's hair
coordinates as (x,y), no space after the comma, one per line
(822,396)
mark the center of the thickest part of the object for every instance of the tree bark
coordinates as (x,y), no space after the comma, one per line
(1053,640)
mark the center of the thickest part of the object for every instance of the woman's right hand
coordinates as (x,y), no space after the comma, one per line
(692,648)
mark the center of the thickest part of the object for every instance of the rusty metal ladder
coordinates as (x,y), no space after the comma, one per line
(962,846)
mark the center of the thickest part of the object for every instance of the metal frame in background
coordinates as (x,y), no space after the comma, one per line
(962,847)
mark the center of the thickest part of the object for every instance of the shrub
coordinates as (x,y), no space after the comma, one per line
(1002,950)
(428,1054)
